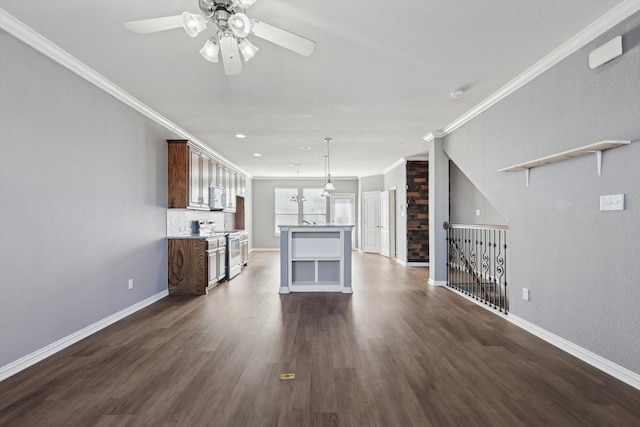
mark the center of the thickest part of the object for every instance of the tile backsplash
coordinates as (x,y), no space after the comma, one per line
(184,221)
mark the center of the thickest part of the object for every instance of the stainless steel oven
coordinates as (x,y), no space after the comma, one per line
(234,255)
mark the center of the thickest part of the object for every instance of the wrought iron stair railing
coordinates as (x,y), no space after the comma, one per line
(477,262)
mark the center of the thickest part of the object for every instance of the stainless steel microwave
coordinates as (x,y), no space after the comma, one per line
(216,198)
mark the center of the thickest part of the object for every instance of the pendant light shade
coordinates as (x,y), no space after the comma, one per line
(239,24)
(247,49)
(193,23)
(210,50)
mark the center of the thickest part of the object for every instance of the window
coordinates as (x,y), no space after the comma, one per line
(343,211)
(314,209)
(286,211)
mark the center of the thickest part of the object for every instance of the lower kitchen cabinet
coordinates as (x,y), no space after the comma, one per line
(188,266)
(194,265)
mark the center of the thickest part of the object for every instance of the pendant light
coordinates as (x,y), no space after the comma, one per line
(325,193)
(296,198)
(329,185)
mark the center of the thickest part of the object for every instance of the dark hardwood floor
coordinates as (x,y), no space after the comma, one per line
(395,353)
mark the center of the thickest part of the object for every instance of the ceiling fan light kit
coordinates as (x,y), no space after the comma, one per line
(247,49)
(239,25)
(232,27)
(210,50)
(193,24)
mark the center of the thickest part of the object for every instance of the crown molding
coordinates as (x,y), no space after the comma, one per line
(399,162)
(603,24)
(369,176)
(433,135)
(43,45)
(303,178)
(417,158)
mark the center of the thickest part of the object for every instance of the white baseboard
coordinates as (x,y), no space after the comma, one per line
(417,264)
(401,262)
(611,368)
(621,373)
(266,250)
(39,355)
(437,283)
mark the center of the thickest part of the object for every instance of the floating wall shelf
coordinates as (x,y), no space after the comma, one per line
(597,148)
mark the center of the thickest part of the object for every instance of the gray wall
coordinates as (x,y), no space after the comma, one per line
(465,199)
(83,189)
(580,264)
(372,183)
(263,205)
(397,178)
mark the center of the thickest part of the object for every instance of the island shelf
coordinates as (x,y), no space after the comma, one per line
(315,258)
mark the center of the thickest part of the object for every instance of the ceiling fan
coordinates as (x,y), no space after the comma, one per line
(232,26)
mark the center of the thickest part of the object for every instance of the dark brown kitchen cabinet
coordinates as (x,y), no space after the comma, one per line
(189,176)
(192,174)
(239,215)
(188,266)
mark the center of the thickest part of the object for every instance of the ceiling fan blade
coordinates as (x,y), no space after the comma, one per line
(245,3)
(148,26)
(230,55)
(283,38)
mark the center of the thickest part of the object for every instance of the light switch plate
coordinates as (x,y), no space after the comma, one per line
(525,294)
(612,202)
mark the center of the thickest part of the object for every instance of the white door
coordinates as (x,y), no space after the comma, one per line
(371,221)
(385,247)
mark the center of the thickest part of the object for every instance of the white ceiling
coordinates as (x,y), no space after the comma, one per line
(379,80)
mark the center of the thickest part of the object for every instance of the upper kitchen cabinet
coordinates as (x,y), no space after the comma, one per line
(189,176)
(193,173)
(231,191)
(241,185)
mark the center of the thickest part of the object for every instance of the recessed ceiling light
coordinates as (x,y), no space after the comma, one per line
(240,135)
(457,94)
(305,148)
(297,165)
(257,154)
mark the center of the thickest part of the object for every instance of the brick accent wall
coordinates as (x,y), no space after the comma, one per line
(417,211)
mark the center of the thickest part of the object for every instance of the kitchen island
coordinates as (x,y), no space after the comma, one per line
(315,258)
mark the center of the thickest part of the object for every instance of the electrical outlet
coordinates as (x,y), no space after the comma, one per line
(130,283)
(525,294)
(477,212)
(612,202)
